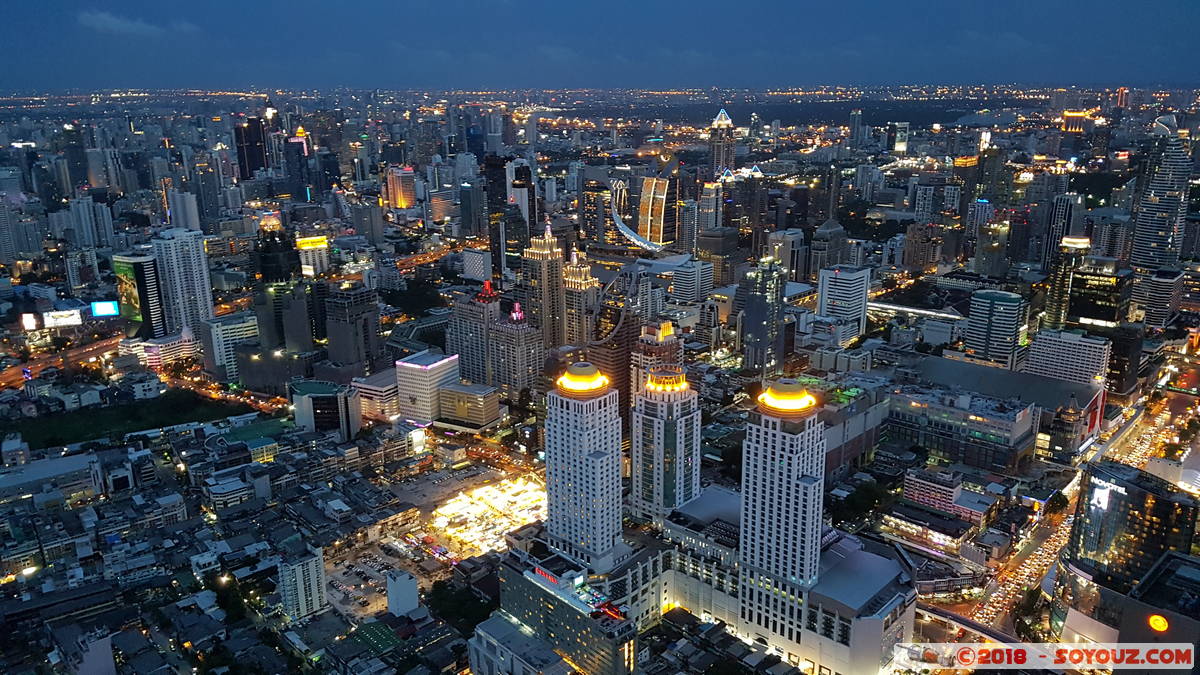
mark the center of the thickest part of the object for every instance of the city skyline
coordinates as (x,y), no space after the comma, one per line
(598,45)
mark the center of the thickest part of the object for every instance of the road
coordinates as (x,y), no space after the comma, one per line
(13,377)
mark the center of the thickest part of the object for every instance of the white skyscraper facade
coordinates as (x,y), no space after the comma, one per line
(583,468)
(842,293)
(665,436)
(183,269)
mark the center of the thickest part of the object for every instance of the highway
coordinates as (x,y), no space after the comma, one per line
(13,378)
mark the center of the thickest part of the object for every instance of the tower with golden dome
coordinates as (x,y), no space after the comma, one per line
(583,468)
(665,444)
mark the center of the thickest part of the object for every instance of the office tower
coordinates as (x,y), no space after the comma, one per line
(523,193)
(541,288)
(762,319)
(140,294)
(691,281)
(183,270)
(90,223)
(322,407)
(401,187)
(829,247)
(1073,356)
(206,181)
(842,292)
(313,252)
(418,380)
(595,212)
(182,211)
(250,138)
(1066,219)
(658,345)
(722,145)
(1125,521)
(1072,250)
(857,130)
(1163,292)
(288,315)
(219,339)
(352,327)
(665,437)
(710,207)
(657,216)
(472,208)
(625,304)
(997,329)
(515,355)
(689,226)
(979,213)
(991,249)
(468,331)
(378,396)
(922,247)
(583,468)
(789,248)
(897,138)
(1100,295)
(81,267)
(302,581)
(581,293)
(1158,221)
(719,247)
(368,221)
(783,479)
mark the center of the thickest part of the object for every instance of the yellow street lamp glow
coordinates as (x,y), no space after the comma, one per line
(786,396)
(1158,623)
(582,378)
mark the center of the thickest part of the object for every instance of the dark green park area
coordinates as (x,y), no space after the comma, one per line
(173,407)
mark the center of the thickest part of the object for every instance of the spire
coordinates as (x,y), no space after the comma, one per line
(574,255)
(549,234)
(722,120)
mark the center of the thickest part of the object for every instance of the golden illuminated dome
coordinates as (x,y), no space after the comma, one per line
(583,379)
(786,397)
(666,378)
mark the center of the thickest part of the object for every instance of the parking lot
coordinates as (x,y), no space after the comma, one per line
(428,490)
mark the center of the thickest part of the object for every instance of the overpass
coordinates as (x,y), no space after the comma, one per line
(889,308)
(964,623)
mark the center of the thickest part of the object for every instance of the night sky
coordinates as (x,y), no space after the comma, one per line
(59,44)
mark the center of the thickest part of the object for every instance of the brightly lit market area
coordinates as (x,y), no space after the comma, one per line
(476,520)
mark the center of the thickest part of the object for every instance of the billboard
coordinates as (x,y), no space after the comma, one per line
(127,290)
(29,321)
(60,318)
(105,308)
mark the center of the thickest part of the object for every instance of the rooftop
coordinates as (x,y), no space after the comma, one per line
(1047,392)
(1172,584)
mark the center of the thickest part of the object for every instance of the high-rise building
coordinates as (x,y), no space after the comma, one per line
(275,257)
(219,339)
(595,212)
(516,354)
(140,294)
(302,582)
(313,252)
(183,269)
(352,327)
(182,210)
(401,187)
(829,247)
(922,247)
(783,479)
(1073,356)
(710,207)
(1072,250)
(991,249)
(1158,220)
(1101,293)
(581,292)
(691,281)
(323,407)
(541,288)
(722,145)
(858,132)
(658,345)
(762,318)
(689,226)
(997,329)
(1066,219)
(842,292)
(468,332)
(665,437)
(82,268)
(789,247)
(583,468)
(250,138)
(657,210)
(368,221)
(897,138)
(419,378)
(1125,521)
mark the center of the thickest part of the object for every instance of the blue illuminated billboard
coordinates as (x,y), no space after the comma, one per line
(105,308)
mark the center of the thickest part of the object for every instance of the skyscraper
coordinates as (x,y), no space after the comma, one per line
(842,292)
(783,480)
(140,294)
(721,145)
(991,249)
(250,137)
(1158,220)
(182,266)
(182,210)
(515,355)
(997,329)
(419,379)
(352,326)
(665,437)
(583,468)
(1066,219)
(1072,250)
(1100,295)
(401,187)
(657,210)
(710,207)
(658,345)
(762,318)
(219,339)
(468,332)
(541,288)
(581,292)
